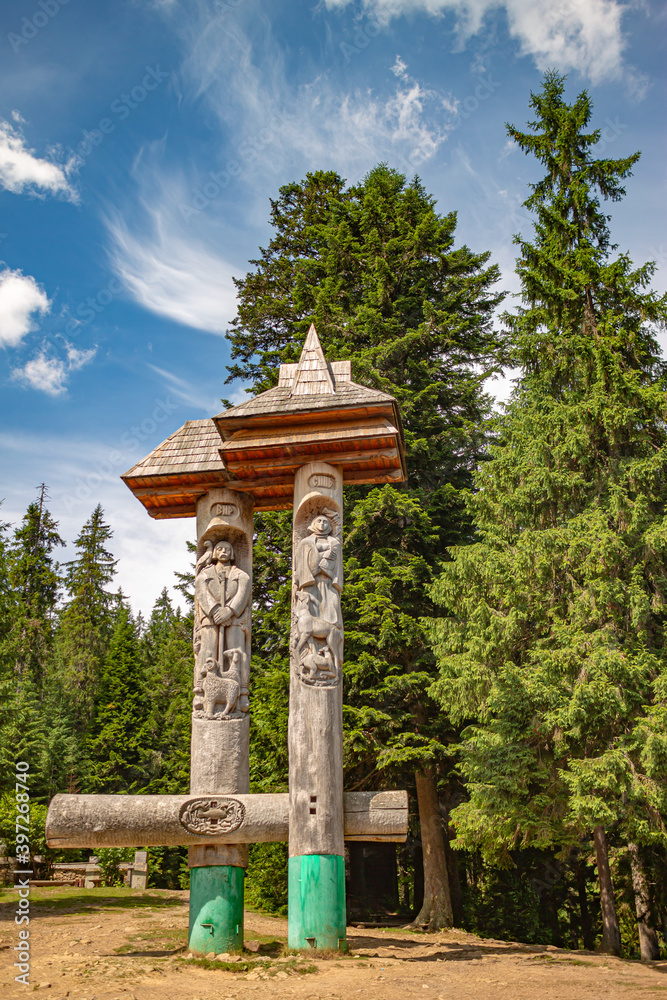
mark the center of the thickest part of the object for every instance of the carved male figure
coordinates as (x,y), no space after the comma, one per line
(222,592)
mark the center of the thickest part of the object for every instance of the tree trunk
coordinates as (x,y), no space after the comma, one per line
(611,935)
(436,911)
(648,939)
(586,925)
(454,882)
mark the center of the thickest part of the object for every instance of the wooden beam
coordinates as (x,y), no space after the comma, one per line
(164,820)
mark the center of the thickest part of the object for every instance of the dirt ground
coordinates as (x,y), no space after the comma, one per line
(120,944)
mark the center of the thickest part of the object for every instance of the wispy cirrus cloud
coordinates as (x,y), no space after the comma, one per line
(189,393)
(165,237)
(21,297)
(584,35)
(166,268)
(22,170)
(243,79)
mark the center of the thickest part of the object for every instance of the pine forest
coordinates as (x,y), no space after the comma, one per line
(505,609)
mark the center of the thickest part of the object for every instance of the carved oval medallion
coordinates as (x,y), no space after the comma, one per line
(224,510)
(215,814)
(322,481)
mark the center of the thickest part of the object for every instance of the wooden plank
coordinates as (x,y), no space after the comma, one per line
(179,489)
(243,468)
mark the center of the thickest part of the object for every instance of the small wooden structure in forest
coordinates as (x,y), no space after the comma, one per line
(294,445)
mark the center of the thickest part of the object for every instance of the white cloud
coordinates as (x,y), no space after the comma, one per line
(164,243)
(50,375)
(400,68)
(584,35)
(20,297)
(20,169)
(165,239)
(295,128)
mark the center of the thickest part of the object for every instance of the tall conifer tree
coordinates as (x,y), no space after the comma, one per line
(554,648)
(166,651)
(33,581)
(116,742)
(374,266)
(84,627)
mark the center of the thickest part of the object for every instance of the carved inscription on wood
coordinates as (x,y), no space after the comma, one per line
(321,480)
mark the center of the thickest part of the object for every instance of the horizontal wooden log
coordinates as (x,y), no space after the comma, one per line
(170,820)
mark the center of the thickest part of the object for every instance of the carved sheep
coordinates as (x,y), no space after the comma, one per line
(221,690)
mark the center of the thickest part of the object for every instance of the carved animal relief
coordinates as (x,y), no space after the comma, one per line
(212,815)
(317,623)
(222,634)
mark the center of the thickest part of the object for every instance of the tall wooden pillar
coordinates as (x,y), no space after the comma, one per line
(220,719)
(316,874)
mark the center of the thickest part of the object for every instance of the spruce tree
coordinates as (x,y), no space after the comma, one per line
(553,649)
(374,266)
(33,580)
(116,740)
(29,582)
(166,652)
(84,626)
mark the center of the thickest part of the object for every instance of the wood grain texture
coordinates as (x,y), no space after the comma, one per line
(220,748)
(154,820)
(315,732)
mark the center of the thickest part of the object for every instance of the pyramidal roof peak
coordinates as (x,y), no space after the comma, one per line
(313,374)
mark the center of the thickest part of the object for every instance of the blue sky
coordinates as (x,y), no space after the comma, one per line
(140,143)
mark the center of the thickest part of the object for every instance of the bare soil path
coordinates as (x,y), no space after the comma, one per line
(120,944)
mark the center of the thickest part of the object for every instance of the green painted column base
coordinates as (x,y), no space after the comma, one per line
(316,902)
(216,909)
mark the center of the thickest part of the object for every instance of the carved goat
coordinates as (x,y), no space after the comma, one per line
(308,627)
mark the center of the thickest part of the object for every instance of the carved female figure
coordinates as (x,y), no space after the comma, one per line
(318,582)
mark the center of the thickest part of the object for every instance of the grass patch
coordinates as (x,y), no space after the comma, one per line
(321,953)
(73,899)
(249,965)
(166,939)
(557,960)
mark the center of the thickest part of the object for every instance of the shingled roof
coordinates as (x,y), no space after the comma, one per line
(315,413)
(309,386)
(170,479)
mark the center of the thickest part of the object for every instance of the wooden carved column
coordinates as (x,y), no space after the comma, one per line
(316,848)
(220,719)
